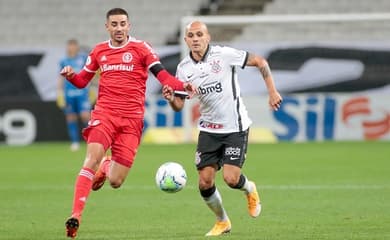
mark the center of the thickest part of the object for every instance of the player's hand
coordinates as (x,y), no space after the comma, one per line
(67,72)
(168,93)
(60,99)
(275,100)
(92,95)
(190,89)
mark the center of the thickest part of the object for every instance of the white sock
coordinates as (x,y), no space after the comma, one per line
(214,202)
(248,188)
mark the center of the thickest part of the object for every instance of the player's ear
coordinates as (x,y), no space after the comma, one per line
(208,37)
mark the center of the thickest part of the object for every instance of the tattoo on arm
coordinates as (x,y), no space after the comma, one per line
(265,71)
(253,60)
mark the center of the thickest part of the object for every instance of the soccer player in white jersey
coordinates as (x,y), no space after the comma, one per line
(224,122)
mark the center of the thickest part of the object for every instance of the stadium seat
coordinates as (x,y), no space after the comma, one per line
(340,31)
(40,23)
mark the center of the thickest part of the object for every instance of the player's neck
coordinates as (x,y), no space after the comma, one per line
(197,55)
(115,43)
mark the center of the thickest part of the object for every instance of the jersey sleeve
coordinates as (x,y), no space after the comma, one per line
(91,63)
(150,56)
(235,57)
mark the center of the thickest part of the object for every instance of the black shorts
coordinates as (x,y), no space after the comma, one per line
(220,149)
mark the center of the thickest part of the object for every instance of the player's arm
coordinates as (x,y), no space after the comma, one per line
(257,61)
(176,100)
(79,80)
(166,78)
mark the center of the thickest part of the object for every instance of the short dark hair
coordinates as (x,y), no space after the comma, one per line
(116,11)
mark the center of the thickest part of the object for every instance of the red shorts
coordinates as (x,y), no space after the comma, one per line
(122,135)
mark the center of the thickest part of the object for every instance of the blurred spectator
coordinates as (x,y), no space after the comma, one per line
(74,102)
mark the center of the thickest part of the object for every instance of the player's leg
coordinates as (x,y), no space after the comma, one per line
(101,174)
(71,123)
(213,200)
(235,179)
(210,193)
(84,108)
(98,136)
(83,186)
(108,125)
(233,160)
(85,116)
(95,153)
(124,149)
(207,159)
(111,169)
(117,174)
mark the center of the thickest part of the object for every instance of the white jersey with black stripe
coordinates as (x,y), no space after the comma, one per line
(221,107)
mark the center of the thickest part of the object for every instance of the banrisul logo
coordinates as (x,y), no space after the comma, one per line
(210,87)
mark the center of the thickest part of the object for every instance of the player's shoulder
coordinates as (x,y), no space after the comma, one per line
(221,49)
(216,48)
(136,41)
(140,43)
(82,55)
(140,46)
(226,52)
(185,62)
(67,61)
(102,45)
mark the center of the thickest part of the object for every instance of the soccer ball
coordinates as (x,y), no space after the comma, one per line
(171,177)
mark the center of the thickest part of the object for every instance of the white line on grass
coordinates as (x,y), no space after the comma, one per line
(265,187)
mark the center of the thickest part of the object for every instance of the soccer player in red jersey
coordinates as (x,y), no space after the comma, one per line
(117,120)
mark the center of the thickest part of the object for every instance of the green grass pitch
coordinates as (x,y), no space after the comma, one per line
(309,191)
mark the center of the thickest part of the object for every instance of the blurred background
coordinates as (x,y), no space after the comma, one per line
(330,60)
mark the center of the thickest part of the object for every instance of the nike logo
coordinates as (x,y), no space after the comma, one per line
(233,158)
(190,76)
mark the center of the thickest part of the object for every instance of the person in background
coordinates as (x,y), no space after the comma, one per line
(74,102)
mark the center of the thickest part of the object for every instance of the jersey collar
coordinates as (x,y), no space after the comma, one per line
(111,46)
(206,53)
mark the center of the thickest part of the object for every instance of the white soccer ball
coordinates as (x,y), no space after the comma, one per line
(171,177)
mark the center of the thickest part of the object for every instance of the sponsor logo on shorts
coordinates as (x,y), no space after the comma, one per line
(233,152)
